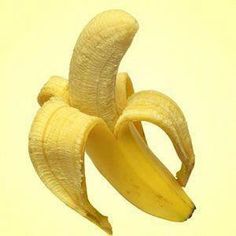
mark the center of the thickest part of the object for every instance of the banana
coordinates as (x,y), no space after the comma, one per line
(97,111)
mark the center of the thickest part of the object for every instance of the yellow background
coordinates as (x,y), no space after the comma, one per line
(186,49)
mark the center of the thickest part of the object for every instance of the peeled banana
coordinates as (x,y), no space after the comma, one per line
(98,112)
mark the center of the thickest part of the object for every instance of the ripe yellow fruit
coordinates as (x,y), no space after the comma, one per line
(98,112)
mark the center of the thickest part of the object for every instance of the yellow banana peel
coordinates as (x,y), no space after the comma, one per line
(98,112)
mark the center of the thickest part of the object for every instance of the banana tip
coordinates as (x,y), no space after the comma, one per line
(191,213)
(108,230)
(105,225)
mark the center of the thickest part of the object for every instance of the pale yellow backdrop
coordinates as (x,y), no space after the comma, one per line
(186,49)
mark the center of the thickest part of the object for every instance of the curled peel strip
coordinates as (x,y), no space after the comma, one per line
(56,145)
(162,111)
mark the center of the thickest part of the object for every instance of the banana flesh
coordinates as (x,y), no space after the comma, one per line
(97,111)
(95,60)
